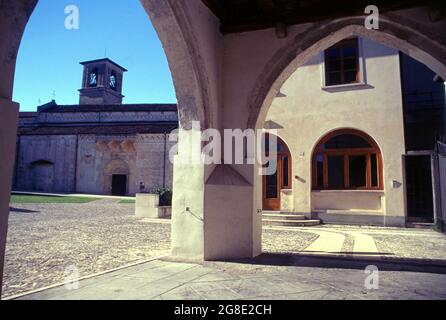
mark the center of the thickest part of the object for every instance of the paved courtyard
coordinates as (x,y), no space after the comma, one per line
(265,278)
(45,241)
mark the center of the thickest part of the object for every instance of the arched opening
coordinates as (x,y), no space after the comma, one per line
(277,186)
(93,78)
(113,81)
(193,87)
(339,82)
(42,173)
(347,159)
(296,53)
(116,178)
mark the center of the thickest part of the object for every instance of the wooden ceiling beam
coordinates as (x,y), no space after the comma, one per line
(248,15)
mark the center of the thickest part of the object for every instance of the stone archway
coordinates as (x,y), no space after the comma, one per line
(203,72)
(116,177)
(418,40)
(398,32)
(174,26)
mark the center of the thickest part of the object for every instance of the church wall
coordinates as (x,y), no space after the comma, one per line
(60,151)
(96,158)
(155,169)
(305,111)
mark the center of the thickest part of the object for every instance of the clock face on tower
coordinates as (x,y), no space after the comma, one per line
(112,81)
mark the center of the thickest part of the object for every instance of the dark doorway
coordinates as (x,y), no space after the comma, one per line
(280,180)
(420,205)
(119,185)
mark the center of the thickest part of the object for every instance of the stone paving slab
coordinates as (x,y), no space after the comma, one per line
(327,243)
(191,282)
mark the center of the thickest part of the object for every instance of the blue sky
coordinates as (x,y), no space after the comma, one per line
(49,54)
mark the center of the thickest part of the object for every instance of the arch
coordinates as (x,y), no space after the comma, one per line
(395,31)
(170,20)
(117,166)
(92,80)
(356,153)
(173,26)
(113,81)
(116,177)
(13,19)
(42,173)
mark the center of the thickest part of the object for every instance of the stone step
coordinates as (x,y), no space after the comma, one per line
(282,212)
(282,216)
(291,223)
(420,225)
(341,211)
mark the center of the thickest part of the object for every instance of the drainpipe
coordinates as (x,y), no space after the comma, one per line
(75,163)
(164,160)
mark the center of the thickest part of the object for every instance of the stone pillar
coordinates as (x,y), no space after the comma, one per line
(215,214)
(8,136)
(188,198)
(232,220)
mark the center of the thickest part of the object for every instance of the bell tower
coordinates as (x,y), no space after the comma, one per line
(102,82)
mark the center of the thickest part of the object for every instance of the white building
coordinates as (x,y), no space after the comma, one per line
(354,148)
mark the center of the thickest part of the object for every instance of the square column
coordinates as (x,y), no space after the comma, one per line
(8,137)
(215,212)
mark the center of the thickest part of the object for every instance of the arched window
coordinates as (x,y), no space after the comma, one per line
(347,160)
(113,81)
(93,78)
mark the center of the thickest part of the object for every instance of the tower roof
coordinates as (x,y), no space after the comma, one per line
(104,60)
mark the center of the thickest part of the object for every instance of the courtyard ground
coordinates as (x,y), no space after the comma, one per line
(47,240)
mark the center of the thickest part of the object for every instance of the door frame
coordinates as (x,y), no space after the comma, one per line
(434,178)
(274,204)
(126,184)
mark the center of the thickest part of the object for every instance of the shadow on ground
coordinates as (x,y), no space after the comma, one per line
(342,262)
(17,210)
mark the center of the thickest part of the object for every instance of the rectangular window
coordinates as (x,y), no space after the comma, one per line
(358,171)
(336,172)
(342,63)
(320,170)
(285,174)
(374,165)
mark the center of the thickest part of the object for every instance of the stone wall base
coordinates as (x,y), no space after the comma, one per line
(361,219)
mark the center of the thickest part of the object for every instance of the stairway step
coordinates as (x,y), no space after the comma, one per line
(282,212)
(291,223)
(420,225)
(280,216)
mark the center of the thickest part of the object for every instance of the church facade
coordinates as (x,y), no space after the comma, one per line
(100,146)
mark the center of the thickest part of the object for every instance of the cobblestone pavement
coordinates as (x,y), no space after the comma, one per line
(389,243)
(45,239)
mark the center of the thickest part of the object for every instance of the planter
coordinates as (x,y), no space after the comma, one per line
(147,206)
